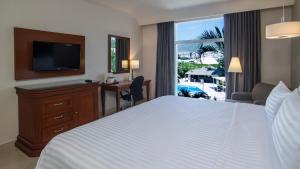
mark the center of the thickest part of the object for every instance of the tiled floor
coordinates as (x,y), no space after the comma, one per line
(13,158)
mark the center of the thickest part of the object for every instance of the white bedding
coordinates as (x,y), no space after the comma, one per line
(168,133)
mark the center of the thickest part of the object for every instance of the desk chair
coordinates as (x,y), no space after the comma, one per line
(136,91)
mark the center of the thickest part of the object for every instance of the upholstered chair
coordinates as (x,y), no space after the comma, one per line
(258,95)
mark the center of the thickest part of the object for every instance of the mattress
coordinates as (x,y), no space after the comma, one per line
(168,133)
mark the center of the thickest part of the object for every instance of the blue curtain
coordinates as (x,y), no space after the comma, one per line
(165,67)
(242,38)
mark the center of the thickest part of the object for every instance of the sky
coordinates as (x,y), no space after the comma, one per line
(192,29)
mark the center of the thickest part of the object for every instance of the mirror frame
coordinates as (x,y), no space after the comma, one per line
(109,53)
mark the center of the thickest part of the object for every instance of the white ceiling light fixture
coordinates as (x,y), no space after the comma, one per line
(284,29)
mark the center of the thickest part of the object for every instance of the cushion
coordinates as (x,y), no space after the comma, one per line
(275,99)
(261,91)
(286,132)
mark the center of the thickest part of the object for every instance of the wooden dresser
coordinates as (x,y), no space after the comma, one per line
(50,109)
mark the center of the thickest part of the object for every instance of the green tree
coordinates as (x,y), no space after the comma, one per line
(217,47)
(217,33)
(203,49)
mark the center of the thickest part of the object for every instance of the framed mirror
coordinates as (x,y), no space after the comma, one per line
(118,54)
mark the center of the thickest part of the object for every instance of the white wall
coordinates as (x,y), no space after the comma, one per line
(65,16)
(149,55)
(276,54)
(296,49)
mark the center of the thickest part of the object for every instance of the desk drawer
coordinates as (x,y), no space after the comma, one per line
(50,132)
(58,118)
(56,104)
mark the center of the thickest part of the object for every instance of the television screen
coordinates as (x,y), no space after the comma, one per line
(49,56)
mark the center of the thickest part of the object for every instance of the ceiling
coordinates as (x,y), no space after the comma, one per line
(154,11)
(133,5)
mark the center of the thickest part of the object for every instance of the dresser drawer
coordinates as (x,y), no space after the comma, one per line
(45,112)
(56,104)
(57,118)
(50,132)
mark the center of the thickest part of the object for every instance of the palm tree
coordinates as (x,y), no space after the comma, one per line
(214,34)
(203,49)
(218,46)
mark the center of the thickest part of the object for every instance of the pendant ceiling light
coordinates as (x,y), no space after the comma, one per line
(283,30)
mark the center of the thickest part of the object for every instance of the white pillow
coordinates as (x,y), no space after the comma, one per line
(286,132)
(275,99)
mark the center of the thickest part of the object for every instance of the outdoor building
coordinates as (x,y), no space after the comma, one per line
(202,74)
(200,59)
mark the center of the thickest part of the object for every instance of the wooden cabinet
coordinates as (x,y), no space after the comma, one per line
(48,110)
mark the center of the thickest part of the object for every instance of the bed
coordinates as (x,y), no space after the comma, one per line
(168,133)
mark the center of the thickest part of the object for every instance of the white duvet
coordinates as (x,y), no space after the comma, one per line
(168,133)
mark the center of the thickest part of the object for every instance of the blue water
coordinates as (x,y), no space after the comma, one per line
(191,89)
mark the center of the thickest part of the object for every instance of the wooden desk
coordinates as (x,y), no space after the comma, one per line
(117,88)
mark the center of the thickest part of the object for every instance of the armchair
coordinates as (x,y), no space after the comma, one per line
(258,95)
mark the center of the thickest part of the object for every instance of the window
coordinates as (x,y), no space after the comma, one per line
(200,59)
(113,55)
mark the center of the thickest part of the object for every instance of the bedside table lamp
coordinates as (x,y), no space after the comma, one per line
(134,64)
(235,67)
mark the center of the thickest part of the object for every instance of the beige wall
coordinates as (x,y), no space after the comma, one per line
(149,55)
(276,54)
(66,16)
(296,49)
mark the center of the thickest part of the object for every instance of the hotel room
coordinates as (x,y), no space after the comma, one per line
(149,84)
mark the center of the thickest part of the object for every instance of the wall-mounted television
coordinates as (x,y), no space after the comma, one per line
(50,56)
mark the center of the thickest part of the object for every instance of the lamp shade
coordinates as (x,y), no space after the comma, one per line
(235,65)
(134,64)
(283,30)
(125,64)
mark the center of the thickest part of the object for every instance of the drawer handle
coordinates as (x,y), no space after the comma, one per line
(58,131)
(58,117)
(58,104)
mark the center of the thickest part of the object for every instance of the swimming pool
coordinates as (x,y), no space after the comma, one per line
(190,89)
